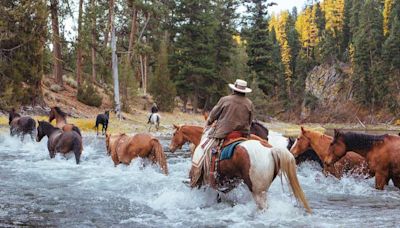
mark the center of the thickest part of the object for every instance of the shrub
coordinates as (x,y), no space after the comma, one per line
(88,95)
(70,81)
(55,88)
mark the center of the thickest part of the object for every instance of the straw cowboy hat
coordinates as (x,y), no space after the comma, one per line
(240,86)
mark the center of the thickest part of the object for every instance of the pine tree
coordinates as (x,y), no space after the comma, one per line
(386,16)
(259,48)
(367,43)
(161,86)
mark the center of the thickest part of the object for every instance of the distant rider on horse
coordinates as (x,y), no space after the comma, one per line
(154,109)
(230,119)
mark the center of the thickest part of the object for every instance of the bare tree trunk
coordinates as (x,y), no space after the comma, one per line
(115,67)
(93,9)
(79,48)
(142,70)
(56,42)
(132,37)
(110,21)
(145,75)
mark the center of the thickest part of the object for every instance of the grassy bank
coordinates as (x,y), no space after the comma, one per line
(132,123)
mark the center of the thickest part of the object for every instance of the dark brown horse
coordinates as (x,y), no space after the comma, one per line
(382,153)
(60,141)
(61,120)
(258,129)
(123,149)
(21,125)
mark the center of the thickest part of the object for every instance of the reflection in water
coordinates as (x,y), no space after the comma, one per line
(37,191)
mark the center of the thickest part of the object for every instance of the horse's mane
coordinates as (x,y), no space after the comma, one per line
(59,111)
(360,141)
(255,122)
(46,125)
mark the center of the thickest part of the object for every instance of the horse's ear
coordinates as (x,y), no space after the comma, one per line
(302,129)
(176,127)
(337,133)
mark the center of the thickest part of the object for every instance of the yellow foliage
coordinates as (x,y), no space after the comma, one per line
(397,122)
(386,16)
(334,15)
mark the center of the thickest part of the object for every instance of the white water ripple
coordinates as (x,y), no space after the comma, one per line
(38,191)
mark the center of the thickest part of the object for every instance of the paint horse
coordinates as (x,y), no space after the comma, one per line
(103,120)
(21,126)
(123,149)
(154,120)
(61,120)
(308,155)
(60,141)
(382,153)
(192,134)
(252,163)
(352,163)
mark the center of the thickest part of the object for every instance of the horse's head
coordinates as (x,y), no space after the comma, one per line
(52,114)
(11,115)
(107,113)
(108,146)
(41,132)
(301,144)
(177,139)
(337,148)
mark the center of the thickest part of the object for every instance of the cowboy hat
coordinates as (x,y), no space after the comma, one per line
(240,86)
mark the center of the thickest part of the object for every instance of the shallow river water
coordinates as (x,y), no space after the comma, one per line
(38,191)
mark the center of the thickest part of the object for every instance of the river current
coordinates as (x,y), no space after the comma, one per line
(38,191)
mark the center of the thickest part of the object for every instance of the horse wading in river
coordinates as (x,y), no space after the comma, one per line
(61,120)
(352,163)
(382,153)
(252,162)
(21,125)
(60,141)
(192,134)
(124,148)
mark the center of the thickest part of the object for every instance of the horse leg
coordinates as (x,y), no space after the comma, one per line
(381,179)
(219,200)
(396,181)
(261,199)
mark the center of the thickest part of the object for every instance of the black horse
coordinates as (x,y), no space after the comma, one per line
(21,126)
(309,155)
(60,141)
(103,120)
(258,129)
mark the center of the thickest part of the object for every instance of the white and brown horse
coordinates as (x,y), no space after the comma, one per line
(256,165)
(124,148)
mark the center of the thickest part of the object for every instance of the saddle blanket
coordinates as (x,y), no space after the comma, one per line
(227,151)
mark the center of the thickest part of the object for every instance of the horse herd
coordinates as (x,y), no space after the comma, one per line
(348,153)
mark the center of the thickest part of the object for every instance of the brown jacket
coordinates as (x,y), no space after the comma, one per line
(232,113)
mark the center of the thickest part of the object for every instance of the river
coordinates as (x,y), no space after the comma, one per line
(38,191)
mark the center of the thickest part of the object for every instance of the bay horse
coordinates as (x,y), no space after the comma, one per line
(61,120)
(352,163)
(60,141)
(252,163)
(192,134)
(308,155)
(154,120)
(123,149)
(103,120)
(21,125)
(382,153)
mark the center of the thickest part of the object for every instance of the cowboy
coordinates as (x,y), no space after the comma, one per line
(154,109)
(233,113)
(231,118)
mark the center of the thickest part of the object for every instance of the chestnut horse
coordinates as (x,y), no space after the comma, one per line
(21,125)
(61,120)
(124,148)
(352,163)
(382,153)
(192,134)
(60,141)
(252,163)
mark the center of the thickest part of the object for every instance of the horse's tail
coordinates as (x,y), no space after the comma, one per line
(77,149)
(160,155)
(287,165)
(76,129)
